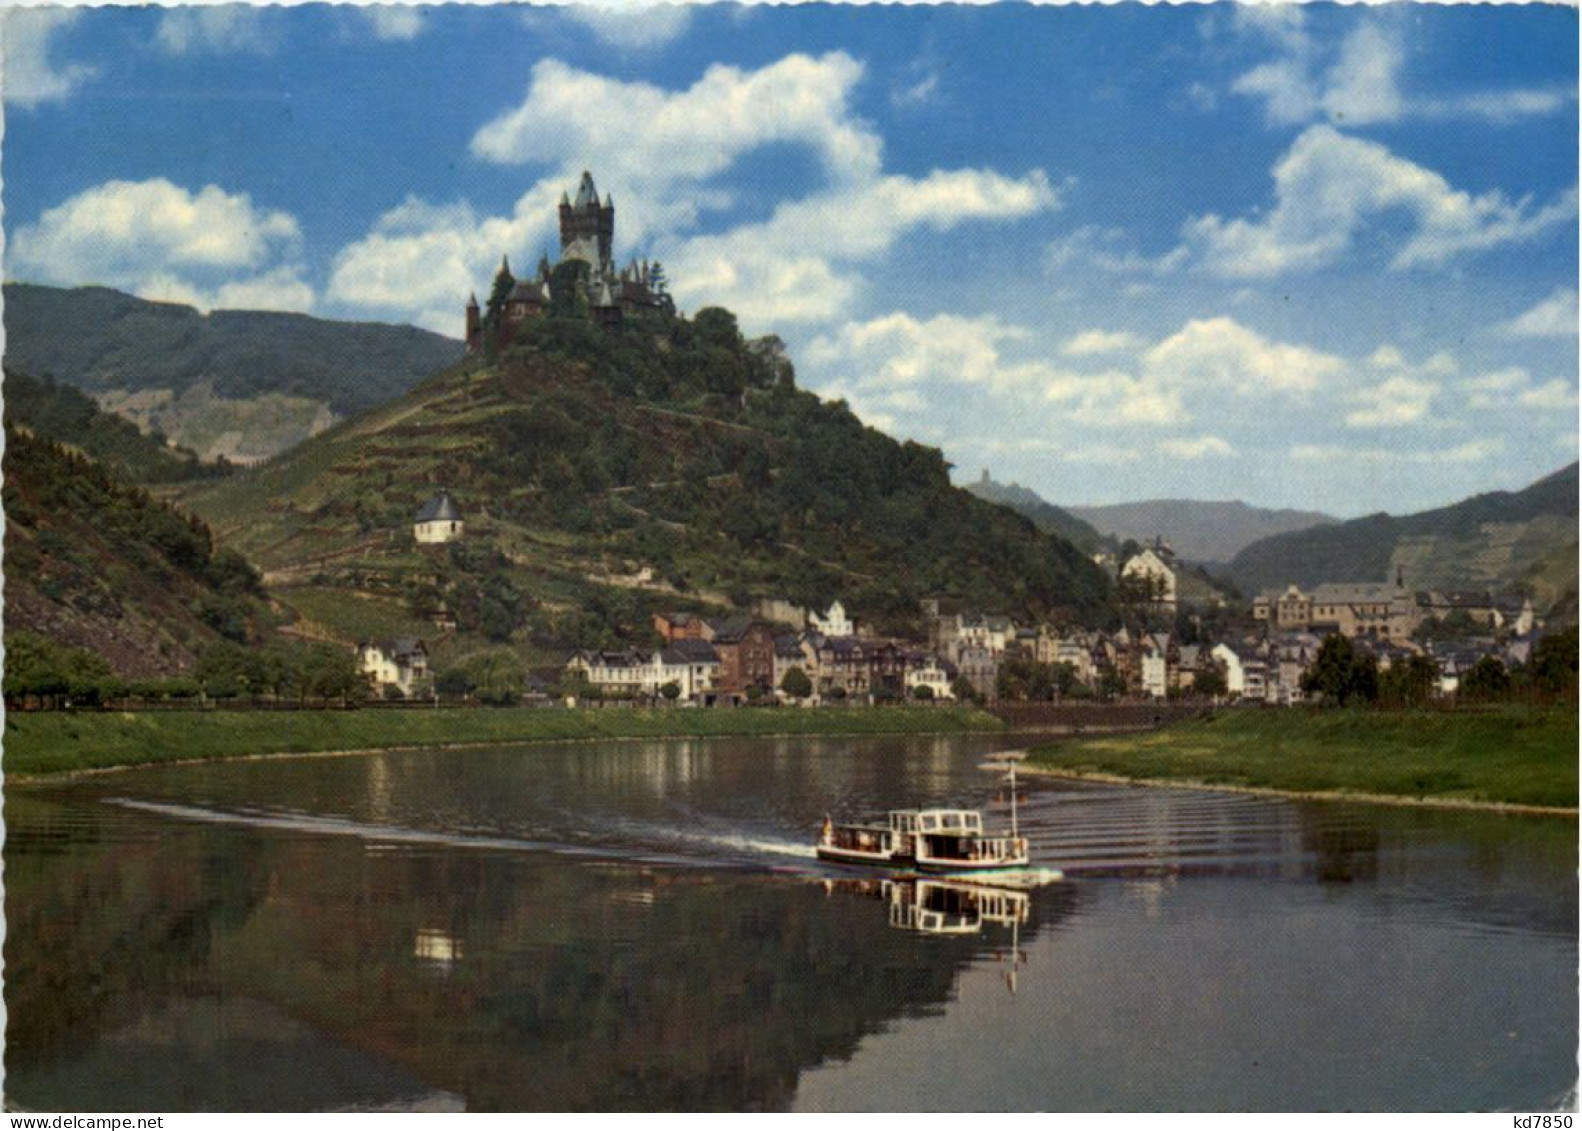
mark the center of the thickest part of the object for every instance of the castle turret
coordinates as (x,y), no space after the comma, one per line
(587,227)
(473,337)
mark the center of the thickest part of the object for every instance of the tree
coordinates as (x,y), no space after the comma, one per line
(671,691)
(566,284)
(1485,681)
(796,684)
(923,693)
(1211,682)
(1409,682)
(1554,664)
(961,687)
(1342,675)
(454,682)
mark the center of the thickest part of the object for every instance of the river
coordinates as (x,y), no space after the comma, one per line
(642,925)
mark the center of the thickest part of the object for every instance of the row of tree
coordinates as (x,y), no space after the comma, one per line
(1345,675)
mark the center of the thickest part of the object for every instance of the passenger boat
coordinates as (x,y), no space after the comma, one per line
(929,840)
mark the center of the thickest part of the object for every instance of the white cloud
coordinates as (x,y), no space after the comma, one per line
(1473,451)
(1222,352)
(1554,317)
(393,22)
(1091,342)
(1200,447)
(159,240)
(633,27)
(640,134)
(1357,82)
(1550,395)
(1392,402)
(220,29)
(1329,186)
(790,267)
(899,350)
(662,149)
(29,76)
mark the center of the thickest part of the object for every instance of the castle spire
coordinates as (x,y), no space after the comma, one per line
(472,301)
(505,265)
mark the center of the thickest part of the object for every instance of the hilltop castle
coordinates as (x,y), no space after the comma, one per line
(587,230)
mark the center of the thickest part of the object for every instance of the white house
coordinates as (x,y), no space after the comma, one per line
(401,662)
(438,521)
(833,623)
(1155,674)
(1235,669)
(1156,565)
(932,673)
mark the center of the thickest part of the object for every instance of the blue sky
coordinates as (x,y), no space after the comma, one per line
(1302,255)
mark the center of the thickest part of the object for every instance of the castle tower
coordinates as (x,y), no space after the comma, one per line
(472,338)
(587,227)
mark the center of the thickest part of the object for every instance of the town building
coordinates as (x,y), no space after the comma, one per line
(746,649)
(835,622)
(1154,567)
(400,663)
(438,520)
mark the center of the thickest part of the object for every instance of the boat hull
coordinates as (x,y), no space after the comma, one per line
(839,855)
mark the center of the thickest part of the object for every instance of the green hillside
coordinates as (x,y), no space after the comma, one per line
(1044,515)
(1498,541)
(94,564)
(61,413)
(232,382)
(583,457)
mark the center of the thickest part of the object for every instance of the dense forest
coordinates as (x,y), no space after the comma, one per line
(93,563)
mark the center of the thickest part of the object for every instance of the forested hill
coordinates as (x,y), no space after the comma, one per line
(94,564)
(1198,531)
(1494,541)
(1043,514)
(60,413)
(582,457)
(100,339)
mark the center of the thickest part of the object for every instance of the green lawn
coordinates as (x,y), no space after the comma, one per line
(56,742)
(1514,755)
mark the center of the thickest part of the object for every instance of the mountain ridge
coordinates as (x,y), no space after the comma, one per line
(240,383)
(1495,540)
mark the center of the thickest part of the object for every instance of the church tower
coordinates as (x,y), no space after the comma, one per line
(587,227)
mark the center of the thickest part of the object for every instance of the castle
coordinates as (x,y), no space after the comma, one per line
(587,229)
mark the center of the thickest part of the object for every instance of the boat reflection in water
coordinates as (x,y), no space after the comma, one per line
(950,907)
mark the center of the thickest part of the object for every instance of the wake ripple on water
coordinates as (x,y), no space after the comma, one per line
(742,850)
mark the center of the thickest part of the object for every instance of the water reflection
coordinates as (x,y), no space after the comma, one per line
(645,926)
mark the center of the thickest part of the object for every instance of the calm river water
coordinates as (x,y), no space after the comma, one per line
(643,925)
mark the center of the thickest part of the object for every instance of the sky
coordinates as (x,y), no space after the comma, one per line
(1300,255)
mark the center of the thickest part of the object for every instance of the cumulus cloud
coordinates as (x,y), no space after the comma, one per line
(1329,186)
(1091,342)
(1554,317)
(393,22)
(633,27)
(1358,81)
(1222,352)
(1393,401)
(157,239)
(1513,387)
(664,150)
(221,29)
(30,75)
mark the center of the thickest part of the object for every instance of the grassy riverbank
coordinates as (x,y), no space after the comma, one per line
(49,742)
(1508,755)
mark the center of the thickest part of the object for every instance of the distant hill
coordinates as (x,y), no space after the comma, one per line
(1495,541)
(61,413)
(1197,531)
(1044,515)
(93,563)
(244,384)
(582,458)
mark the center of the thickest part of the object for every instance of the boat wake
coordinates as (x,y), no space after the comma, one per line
(741,851)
